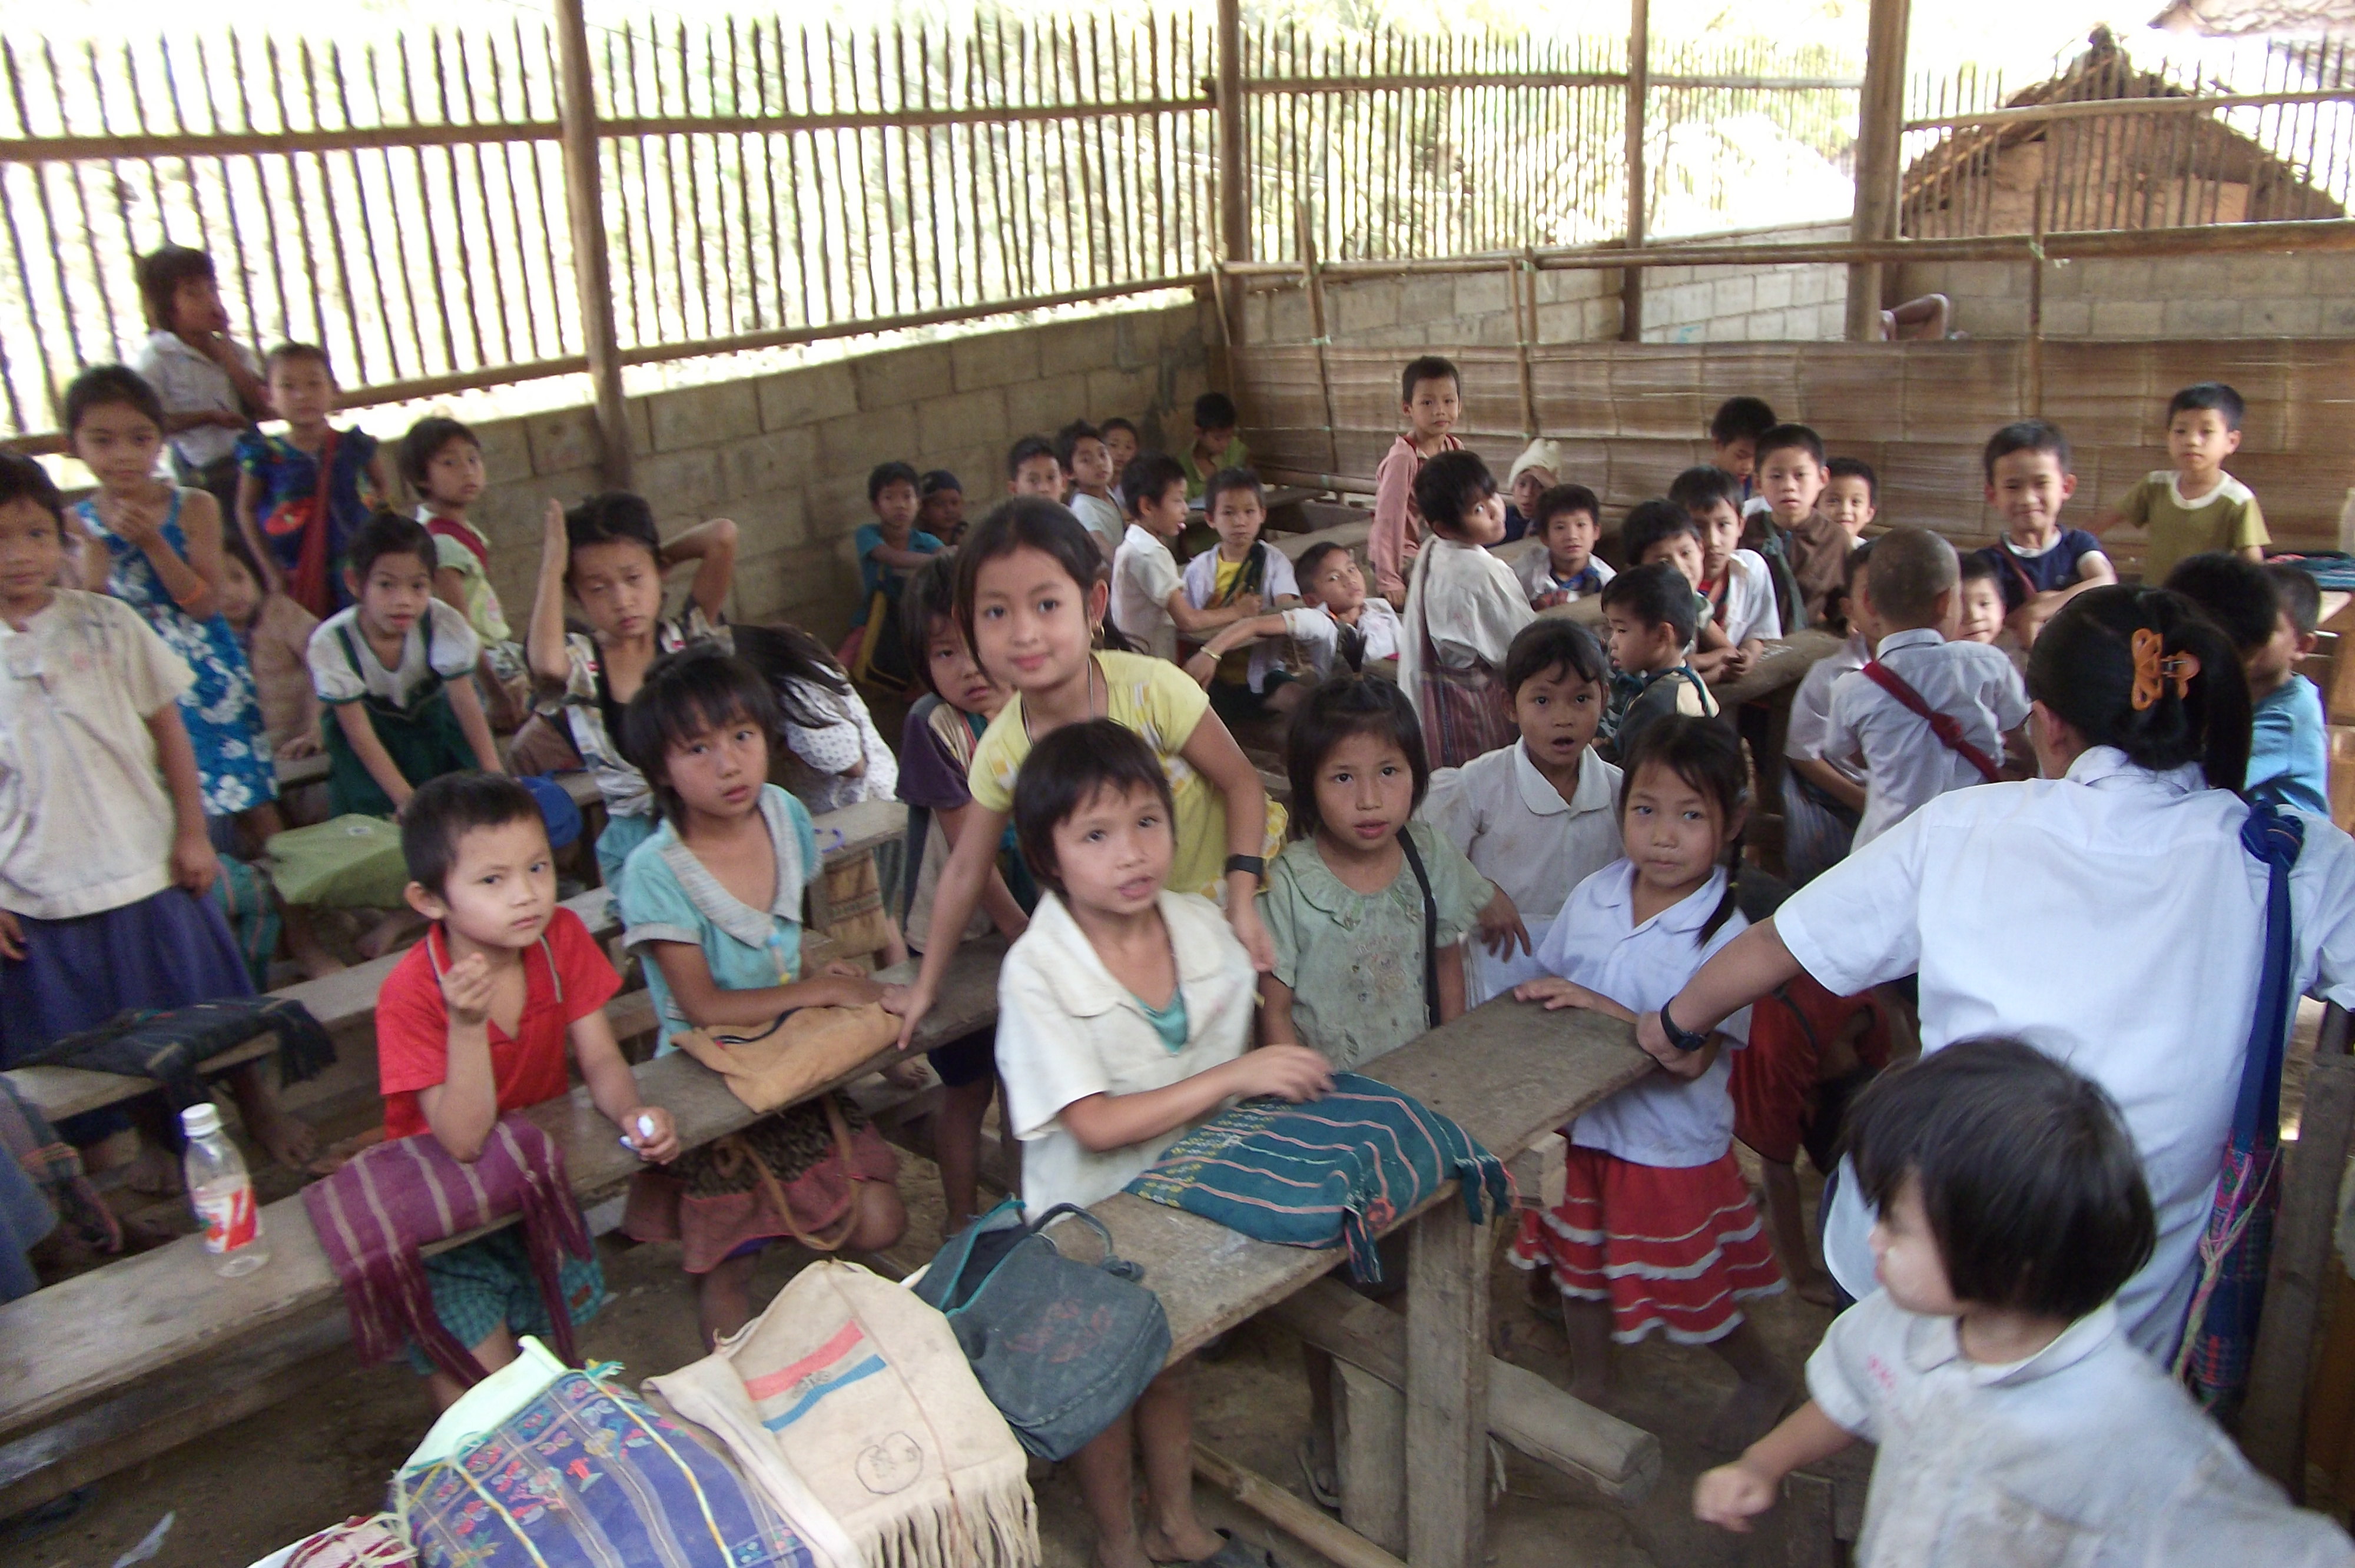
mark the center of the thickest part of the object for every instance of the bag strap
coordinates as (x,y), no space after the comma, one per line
(1942,725)
(1113,1264)
(2275,838)
(735,1146)
(1430,928)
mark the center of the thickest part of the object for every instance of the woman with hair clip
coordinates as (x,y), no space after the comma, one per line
(2105,912)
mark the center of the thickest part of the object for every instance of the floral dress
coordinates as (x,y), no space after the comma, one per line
(221,712)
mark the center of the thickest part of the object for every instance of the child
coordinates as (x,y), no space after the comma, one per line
(158,548)
(208,385)
(474,1023)
(1790,481)
(1335,626)
(1148,598)
(1568,519)
(1736,582)
(2194,507)
(2289,750)
(2039,566)
(1246,685)
(300,496)
(1649,613)
(1431,396)
(1121,446)
(844,761)
(1032,469)
(1823,789)
(1124,1017)
(1661,531)
(1535,471)
(606,555)
(940,508)
(1086,463)
(936,750)
(1216,446)
(1462,613)
(1030,599)
(1658,1230)
(712,902)
(1821,545)
(1982,589)
(442,462)
(1733,432)
(1536,818)
(392,671)
(1927,714)
(2016,1423)
(275,633)
(890,547)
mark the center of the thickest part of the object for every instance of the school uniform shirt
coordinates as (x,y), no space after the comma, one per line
(1318,632)
(2289,749)
(1100,517)
(567,976)
(1398,532)
(1519,833)
(442,644)
(590,716)
(1469,604)
(85,823)
(1207,578)
(1659,1119)
(2019,573)
(1809,737)
(1905,763)
(832,750)
(1535,569)
(2085,1453)
(189,381)
(1749,600)
(1355,960)
(1143,575)
(1067,1029)
(2227,518)
(2111,920)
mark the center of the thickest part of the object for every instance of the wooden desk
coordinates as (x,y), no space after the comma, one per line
(1784,662)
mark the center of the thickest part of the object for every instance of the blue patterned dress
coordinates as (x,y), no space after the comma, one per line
(222,714)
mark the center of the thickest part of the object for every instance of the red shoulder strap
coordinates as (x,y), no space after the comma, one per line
(444,528)
(1944,726)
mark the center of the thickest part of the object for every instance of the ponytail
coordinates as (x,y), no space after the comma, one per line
(1706,754)
(1730,898)
(2185,675)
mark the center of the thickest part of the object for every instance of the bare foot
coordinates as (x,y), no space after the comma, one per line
(908,1072)
(1160,1546)
(153,1173)
(397,928)
(1748,1414)
(289,1141)
(1815,1288)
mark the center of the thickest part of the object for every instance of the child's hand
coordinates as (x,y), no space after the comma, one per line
(1253,935)
(138,523)
(304,745)
(1556,994)
(1730,1496)
(12,937)
(1736,664)
(1292,1073)
(911,1003)
(466,990)
(553,542)
(1248,603)
(1202,666)
(195,866)
(851,986)
(227,419)
(1501,929)
(659,1147)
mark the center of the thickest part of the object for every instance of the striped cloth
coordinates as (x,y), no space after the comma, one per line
(1337,1171)
(374,1214)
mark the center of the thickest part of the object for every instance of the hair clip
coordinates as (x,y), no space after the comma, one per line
(2153,668)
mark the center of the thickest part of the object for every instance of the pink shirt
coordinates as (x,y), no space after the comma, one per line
(1397,534)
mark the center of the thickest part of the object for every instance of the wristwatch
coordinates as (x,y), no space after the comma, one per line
(1682,1039)
(1249,863)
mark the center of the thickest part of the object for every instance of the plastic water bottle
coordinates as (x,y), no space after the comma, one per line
(223,1195)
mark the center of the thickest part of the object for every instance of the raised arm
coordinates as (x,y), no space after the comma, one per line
(712,547)
(551,662)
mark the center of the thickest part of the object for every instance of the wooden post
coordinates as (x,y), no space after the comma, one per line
(2035,355)
(1639,88)
(2298,1284)
(1521,277)
(1447,1389)
(1313,281)
(1880,129)
(577,112)
(1235,154)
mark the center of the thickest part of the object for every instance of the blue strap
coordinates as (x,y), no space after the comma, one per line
(2275,837)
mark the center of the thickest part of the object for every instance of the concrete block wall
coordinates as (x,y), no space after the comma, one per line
(1412,313)
(1750,305)
(786,455)
(2161,297)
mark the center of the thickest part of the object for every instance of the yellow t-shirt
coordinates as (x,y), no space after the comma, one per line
(2228,518)
(1155,699)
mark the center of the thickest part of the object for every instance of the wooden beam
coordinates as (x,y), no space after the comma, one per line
(1447,1389)
(591,268)
(1234,153)
(2271,1426)
(1639,87)
(2103,108)
(1311,1527)
(1878,122)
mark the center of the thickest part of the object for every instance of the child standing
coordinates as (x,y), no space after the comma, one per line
(1782,523)
(210,384)
(2289,747)
(2016,1421)
(442,462)
(2195,506)
(1568,520)
(1336,626)
(1824,790)
(474,1023)
(1658,1230)
(1928,715)
(1649,614)
(1088,473)
(1736,582)
(1538,817)
(2039,566)
(1821,545)
(712,901)
(940,511)
(1216,445)
(301,496)
(1431,396)
(891,546)
(1148,598)
(1125,1019)
(275,633)
(1463,613)
(1246,685)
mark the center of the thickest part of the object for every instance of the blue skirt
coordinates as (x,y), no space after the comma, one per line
(167,950)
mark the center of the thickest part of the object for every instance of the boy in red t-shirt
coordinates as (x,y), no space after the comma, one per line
(473,1024)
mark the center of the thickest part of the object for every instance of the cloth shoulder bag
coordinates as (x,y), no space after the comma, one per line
(803,1051)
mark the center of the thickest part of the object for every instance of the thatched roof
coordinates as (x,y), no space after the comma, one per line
(2254,18)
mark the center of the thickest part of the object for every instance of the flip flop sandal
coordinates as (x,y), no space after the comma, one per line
(1327,1492)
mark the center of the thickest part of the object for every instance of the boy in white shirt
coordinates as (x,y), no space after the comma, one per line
(1736,582)
(1243,685)
(1148,598)
(1823,790)
(1567,520)
(1463,606)
(1928,714)
(1085,462)
(1337,624)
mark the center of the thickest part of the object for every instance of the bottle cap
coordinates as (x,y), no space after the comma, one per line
(200,1121)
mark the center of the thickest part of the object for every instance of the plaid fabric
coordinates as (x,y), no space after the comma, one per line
(55,1167)
(1465,714)
(171,1045)
(1337,1171)
(488,1284)
(244,899)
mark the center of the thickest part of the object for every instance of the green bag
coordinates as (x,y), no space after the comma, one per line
(344,862)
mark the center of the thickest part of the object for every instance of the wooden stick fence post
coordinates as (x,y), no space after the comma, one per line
(592,268)
(2035,355)
(1879,132)
(1522,278)
(1234,153)
(1312,280)
(1639,88)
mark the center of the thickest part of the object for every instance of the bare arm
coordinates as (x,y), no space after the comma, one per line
(463,1108)
(361,732)
(191,581)
(1730,1495)
(614,1088)
(552,661)
(1275,1025)
(907,560)
(706,1004)
(249,529)
(971,861)
(1222,764)
(1103,1122)
(1450,982)
(712,546)
(1191,620)
(194,863)
(1830,779)
(1744,970)
(998,900)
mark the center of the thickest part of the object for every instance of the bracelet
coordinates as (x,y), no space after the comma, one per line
(1682,1039)
(1249,863)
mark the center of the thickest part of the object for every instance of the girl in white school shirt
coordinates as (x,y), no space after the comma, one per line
(2105,912)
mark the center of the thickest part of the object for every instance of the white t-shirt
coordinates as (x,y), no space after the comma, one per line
(189,381)
(1100,517)
(2111,920)
(832,750)
(342,674)
(1905,763)
(2084,1454)
(1318,633)
(1468,602)
(1067,1030)
(1535,570)
(85,824)
(1518,833)
(1659,1119)
(1750,610)
(1811,710)
(1202,581)
(1143,575)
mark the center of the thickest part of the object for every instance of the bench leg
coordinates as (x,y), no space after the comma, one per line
(1369,1455)
(1447,1389)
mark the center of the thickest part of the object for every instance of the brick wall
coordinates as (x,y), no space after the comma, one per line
(2162,297)
(786,455)
(1750,305)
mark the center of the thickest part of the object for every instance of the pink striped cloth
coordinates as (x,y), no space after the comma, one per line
(374,1214)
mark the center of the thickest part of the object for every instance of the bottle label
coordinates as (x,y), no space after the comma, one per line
(230,1219)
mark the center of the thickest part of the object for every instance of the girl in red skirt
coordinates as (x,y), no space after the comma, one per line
(1658,1230)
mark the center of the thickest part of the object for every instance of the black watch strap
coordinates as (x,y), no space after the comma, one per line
(1249,863)
(1682,1039)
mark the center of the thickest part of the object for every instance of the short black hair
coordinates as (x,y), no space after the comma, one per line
(1791,438)
(1450,485)
(1551,643)
(1306,566)
(235,549)
(1228,479)
(102,386)
(1708,755)
(884,475)
(1656,594)
(1837,598)
(1428,367)
(1978,566)
(445,809)
(2237,595)
(1148,477)
(686,693)
(1650,522)
(1703,486)
(414,457)
(1117,423)
(23,479)
(928,595)
(2032,1187)
(1557,499)
(2213,394)
(2082,668)
(387,533)
(1028,448)
(1068,439)
(937,480)
(2301,596)
(1068,768)
(1215,411)
(2026,435)
(286,351)
(1910,567)
(1343,705)
(1855,468)
(1741,418)
(608,517)
(161,272)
